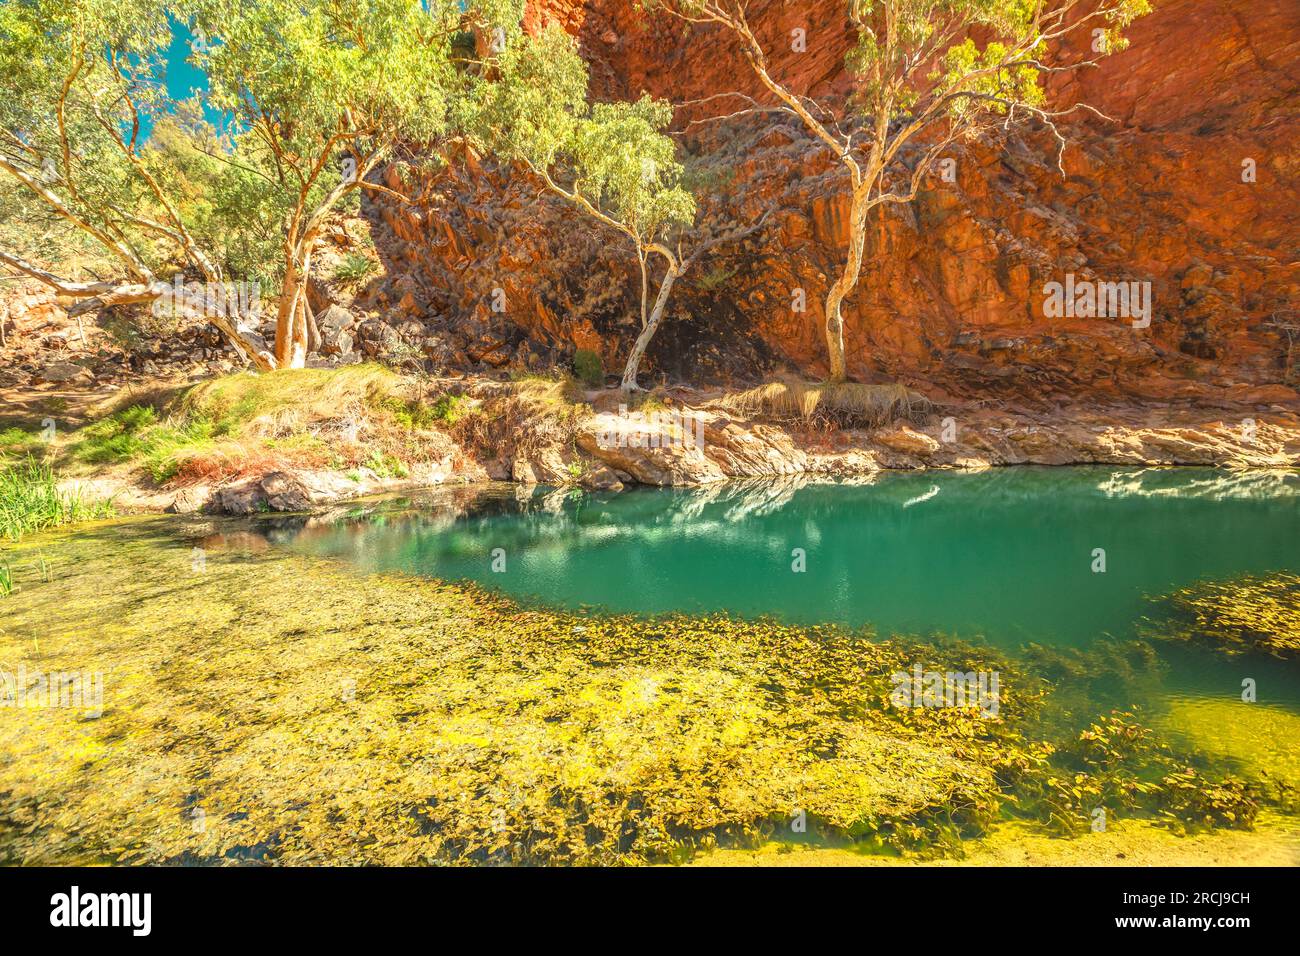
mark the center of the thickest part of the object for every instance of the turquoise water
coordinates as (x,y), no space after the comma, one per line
(1005,555)
(1008,554)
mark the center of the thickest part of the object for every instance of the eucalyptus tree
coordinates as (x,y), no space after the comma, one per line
(83,78)
(318,92)
(611,161)
(323,92)
(920,75)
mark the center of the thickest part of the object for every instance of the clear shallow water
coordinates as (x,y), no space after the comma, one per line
(1006,555)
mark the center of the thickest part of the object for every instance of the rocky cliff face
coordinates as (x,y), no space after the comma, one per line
(952,293)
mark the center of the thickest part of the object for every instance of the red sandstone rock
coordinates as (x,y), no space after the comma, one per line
(951,296)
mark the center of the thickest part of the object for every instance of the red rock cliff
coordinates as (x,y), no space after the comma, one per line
(952,290)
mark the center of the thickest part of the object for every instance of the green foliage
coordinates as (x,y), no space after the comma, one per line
(445,411)
(449,409)
(588,367)
(716,278)
(982,77)
(385,465)
(30,500)
(310,86)
(113,51)
(613,156)
(354,269)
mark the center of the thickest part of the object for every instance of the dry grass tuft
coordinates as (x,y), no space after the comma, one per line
(521,418)
(281,402)
(847,404)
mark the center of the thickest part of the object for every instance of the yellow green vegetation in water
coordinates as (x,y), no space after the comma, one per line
(1247,613)
(1252,738)
(261,705)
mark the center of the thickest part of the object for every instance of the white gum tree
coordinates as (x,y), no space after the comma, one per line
(920,77)
(612,161)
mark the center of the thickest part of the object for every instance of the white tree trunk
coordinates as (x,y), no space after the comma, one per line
(291,320)
(648,329)
(842,286)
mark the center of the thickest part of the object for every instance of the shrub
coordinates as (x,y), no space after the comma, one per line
(355,269)
(588,367)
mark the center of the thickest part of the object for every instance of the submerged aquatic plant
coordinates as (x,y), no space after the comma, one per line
(1247,613)
(1119,764)
(332,717)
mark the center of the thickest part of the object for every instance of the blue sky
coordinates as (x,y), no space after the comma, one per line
(184,79)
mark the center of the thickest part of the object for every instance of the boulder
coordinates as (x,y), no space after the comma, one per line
(190,500)
(286,492)
(601,478)
(335,318)
(243,498)
(543,467)
(907,441)
(64,373)
(335,341)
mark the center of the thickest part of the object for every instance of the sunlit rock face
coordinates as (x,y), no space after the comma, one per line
(954,288)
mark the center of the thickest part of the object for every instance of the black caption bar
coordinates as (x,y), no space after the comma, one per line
(334,905)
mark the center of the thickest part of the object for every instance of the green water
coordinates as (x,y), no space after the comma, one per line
(1008,556)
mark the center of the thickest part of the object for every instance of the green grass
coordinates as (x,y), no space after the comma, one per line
(298,414)
(135,434)
(15,443)
(274,401)
(386,466)
(355,269)
(30,500)
(415,415)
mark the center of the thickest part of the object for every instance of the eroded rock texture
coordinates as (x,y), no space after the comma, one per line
(951,297)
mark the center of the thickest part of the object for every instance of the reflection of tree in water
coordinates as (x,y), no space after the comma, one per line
(467,522)
(1217,485)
